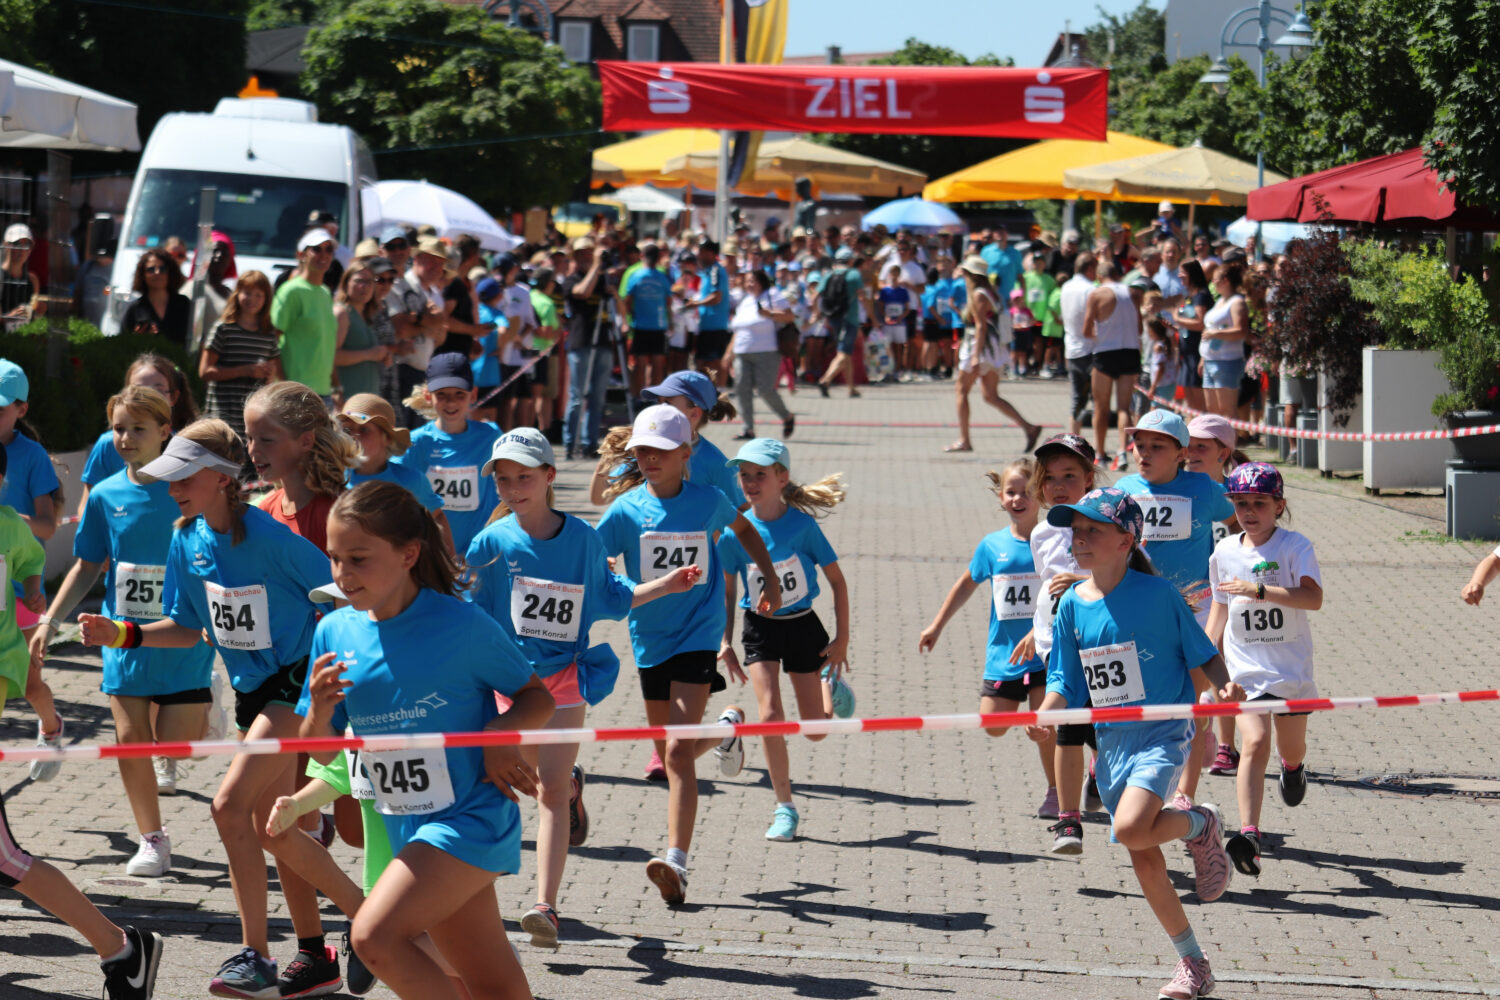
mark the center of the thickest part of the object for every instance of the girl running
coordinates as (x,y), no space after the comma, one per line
(370,422)
(1213,451)
(409,656)
(236,576)
(126,532)
(1004,559)
(295,445)
(784,515)
(1265,580)
(543,576)
(27,487)
(450,449)
(661,520)
(1125,636)
(1065,470)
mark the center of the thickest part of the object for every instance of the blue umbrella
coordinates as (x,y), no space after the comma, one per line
(913,214)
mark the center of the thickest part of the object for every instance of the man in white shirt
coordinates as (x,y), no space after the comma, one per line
(1076,349)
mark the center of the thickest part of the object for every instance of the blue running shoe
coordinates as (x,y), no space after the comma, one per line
(783,824)
(247,975)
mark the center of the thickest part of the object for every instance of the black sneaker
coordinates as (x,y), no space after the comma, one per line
(310,975)
(134,976)
(1244,851)
(359,980)
(1293,783)
(1067,837)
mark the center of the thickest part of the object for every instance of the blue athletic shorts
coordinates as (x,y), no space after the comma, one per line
(1223,374)
(1146,755)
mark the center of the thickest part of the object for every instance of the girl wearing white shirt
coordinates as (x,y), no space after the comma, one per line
(1225,328)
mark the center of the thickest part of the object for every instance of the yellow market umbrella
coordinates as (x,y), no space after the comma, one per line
(1195,175)
(1036,171)
(641,159)
(780,163)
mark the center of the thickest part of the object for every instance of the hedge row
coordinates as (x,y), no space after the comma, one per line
(67,411)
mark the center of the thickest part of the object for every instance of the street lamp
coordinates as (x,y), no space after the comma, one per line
(1297,34)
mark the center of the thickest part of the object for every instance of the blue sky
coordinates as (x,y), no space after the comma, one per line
(1005,27)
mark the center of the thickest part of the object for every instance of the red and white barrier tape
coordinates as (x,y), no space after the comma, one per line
(719,730)
(525,367)
(1293,432)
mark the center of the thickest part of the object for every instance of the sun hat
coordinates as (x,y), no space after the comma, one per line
(660,426)
(315,238)
(432,247)
(1255,477)
(1071,443)
(1107,506)
(697,387)
(449,370)
(1163,422)
(525,445)
(14,385)
(181,458)
(763,451)
(975,265)
(1212,425)
(367,247)
(368,408)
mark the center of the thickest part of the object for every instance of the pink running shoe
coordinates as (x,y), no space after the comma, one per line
(1190,980)
(655,769)
(1048,808)
(1226,760)
(1211,868)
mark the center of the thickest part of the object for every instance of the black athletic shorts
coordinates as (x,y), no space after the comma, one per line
(936,332)
(517,389)
(796,642)
(1118,363)
(1021,338)
(284,687)
(711,345)
(701,666)
(1272,697)
(648,342)
(1018,690)
(197,696)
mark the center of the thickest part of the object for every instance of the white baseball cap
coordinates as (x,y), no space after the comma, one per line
(660,426)
(16,232)
(315,238)
(525,445)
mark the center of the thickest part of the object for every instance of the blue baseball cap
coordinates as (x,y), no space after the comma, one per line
(391,234)
(763,451)
(697,387)
(843,253)
(1255,477)
(449,371)
(1163,422)
(15,387)
(1107,506)
(487,289)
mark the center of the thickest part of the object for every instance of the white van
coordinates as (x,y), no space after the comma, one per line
(273,164)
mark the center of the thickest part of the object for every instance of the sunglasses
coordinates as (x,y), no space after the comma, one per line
(388,280)
(157,269)
(322,248)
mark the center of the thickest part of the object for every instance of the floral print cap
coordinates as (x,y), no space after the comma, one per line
(1108,505)
(1255,477)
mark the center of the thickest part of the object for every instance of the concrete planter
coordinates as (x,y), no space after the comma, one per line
(1399,387)
(69,466)
(1338,456)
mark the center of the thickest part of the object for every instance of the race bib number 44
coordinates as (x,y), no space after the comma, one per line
(1167,518)
(456,485)
(408,782)
(138,590)
(664,551)
(239,616)
(1016,594)
(1113,674)
(542,609)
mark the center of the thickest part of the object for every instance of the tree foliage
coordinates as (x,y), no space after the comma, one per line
(934,155)
(426,79)
(1134,47)
(1173,107)
(1454,48)
(266,14)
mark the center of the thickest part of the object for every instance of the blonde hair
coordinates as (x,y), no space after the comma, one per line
(815,499)
(1039,473)
(614,455)
(392,514)
(297,408)
(141,401)
(419,404)
(219,438)
(502,510)
(1025,466)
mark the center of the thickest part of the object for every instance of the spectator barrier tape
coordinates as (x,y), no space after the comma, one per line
(1293,432)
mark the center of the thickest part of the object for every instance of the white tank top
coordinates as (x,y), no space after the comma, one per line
(1119,330)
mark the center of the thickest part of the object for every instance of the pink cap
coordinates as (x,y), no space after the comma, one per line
(1211,425)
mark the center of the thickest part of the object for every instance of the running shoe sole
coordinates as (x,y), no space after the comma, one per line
(543,931)
(666,879)
(1214,858)
(218,989)
(1242,851)
(578,816)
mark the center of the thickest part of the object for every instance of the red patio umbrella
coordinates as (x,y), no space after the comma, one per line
(1399,190)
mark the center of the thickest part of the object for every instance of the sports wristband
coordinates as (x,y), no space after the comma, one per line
(127,635)
(1260,591)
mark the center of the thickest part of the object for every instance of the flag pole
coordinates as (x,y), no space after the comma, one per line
(721,184)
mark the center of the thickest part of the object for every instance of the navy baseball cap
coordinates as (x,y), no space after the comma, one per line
(449,371)
(697,387)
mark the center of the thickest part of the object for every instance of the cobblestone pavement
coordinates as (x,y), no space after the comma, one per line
(921,870)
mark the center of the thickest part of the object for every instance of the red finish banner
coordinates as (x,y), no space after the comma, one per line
(932,100)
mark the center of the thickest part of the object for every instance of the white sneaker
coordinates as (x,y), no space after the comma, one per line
(46,770)
(731,752)
(153,858)
(166,775)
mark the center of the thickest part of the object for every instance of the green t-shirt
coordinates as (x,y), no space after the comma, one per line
(377,842)
(1052,322)
(303,312)
(546,316)
(23,558)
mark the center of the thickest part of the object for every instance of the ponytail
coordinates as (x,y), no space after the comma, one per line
(419,404)
(1139,562)
(614,455)
(297,408)
(219,438)
(816,499)
(723,409)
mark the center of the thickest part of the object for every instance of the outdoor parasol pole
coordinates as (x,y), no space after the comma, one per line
(721,185)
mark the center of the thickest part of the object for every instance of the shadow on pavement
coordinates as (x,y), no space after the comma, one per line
(910,841)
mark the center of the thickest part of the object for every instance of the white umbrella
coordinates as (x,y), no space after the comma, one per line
(38,111)
(643,198)
(418,203)
(1274,235)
